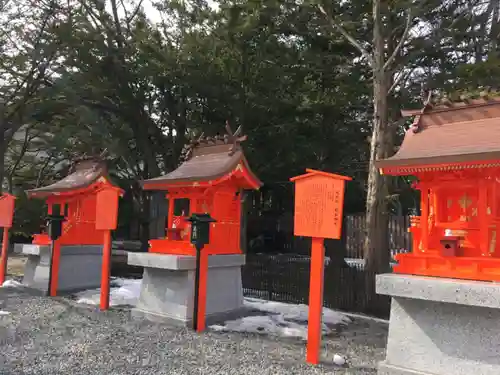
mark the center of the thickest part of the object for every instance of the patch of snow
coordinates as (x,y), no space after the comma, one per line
(295,312)
(11,284)
(268,324)
(3,313)
(122,292)
(339,360)
(280,319)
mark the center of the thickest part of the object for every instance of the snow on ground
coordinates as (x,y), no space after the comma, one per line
(275,318)
(122,292)
(295,312)
(281,319)
(11,284)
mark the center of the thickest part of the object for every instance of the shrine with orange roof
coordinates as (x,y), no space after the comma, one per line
(445,294)
(211,180)
(74,197)
(454,152)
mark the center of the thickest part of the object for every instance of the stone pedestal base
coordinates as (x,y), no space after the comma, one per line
(167,291)
(80,267)
(441,326)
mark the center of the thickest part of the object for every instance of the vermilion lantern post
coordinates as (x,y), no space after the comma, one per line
(55,224)
(200,236)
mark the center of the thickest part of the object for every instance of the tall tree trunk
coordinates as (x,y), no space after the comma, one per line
(3,149)
(494,30)
(377,219)
(376,241)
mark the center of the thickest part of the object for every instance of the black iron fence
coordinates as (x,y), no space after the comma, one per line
(277,265)
(399,238)
(348,286)
(285,278)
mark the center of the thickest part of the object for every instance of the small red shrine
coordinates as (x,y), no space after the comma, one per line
(210,180)
(453,149)
(75,196)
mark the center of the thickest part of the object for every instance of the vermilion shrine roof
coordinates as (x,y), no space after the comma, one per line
(207,159)
(86,172)
(451,132)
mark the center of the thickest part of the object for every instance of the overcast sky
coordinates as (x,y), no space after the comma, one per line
(147,5)
(150,10)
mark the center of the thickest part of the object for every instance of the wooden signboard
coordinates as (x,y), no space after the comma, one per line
(6,210)
(107,209)
(319,201)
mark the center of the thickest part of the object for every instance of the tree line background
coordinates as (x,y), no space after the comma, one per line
(316,84)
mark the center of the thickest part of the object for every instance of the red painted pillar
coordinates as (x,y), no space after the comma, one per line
(315,301)
(56,260)
(5,249)
(202,292)
(106,270)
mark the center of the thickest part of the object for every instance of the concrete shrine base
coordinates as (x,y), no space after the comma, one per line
(80,267)
(167,291)
(441,326)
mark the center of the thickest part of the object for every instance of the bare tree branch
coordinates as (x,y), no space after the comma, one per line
(119,33)
(398,79)
(22,152)
(391,58)
(346,35)
(129,18)
(42,171)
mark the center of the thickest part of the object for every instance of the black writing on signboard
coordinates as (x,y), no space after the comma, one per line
(337,219)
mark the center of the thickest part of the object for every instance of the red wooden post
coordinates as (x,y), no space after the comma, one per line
(6,216)
(5,250)
(202,292)
(56,260)
(315,301)
(106,270)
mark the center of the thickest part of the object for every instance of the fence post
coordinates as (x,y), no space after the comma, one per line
(269,280)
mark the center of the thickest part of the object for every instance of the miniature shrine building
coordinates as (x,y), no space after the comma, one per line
(453,150)
(75,196)
(210,180)
(80,244)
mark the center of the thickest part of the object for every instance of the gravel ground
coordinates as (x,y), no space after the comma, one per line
(57,336)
